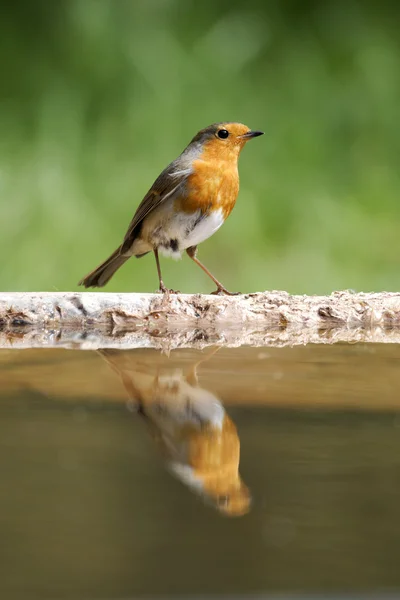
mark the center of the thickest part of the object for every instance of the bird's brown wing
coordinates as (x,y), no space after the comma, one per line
(163,188)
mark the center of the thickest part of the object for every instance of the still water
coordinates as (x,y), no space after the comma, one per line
(216,472)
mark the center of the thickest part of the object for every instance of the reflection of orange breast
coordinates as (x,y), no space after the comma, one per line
(211,448)
(213,455)
(212,186)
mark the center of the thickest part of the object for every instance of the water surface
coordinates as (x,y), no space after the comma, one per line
(91,508)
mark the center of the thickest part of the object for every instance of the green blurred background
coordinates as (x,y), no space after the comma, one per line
(97,96)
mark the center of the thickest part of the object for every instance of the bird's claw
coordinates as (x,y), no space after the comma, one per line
(221,291)
(166,291)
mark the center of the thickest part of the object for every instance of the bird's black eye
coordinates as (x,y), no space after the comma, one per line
(223,134)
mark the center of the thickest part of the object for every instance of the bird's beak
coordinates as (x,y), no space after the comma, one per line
(250,134)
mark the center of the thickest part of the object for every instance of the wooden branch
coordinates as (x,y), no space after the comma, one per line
(95,320)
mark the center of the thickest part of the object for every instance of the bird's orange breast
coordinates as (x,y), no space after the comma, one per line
(213,185)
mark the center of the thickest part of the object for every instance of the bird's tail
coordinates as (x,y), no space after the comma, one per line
(103,273)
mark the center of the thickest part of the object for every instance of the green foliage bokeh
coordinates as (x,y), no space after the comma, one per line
(97,96)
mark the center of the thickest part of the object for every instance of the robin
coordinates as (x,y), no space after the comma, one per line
(196,437)
(187,203)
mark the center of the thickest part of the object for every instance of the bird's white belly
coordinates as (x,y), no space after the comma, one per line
(190,230)
(205,228)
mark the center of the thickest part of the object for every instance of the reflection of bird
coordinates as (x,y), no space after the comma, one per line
(186,204)
(194,433)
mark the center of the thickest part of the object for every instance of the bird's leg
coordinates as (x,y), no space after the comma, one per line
(192,251)
(191,376)
(163,289)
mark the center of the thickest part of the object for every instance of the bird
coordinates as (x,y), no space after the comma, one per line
(193,432)
(186,204)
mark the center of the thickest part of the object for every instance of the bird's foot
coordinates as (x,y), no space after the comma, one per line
(221,291)
(166,291)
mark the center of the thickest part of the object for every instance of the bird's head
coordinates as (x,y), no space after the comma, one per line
(234,500)
(224,140)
